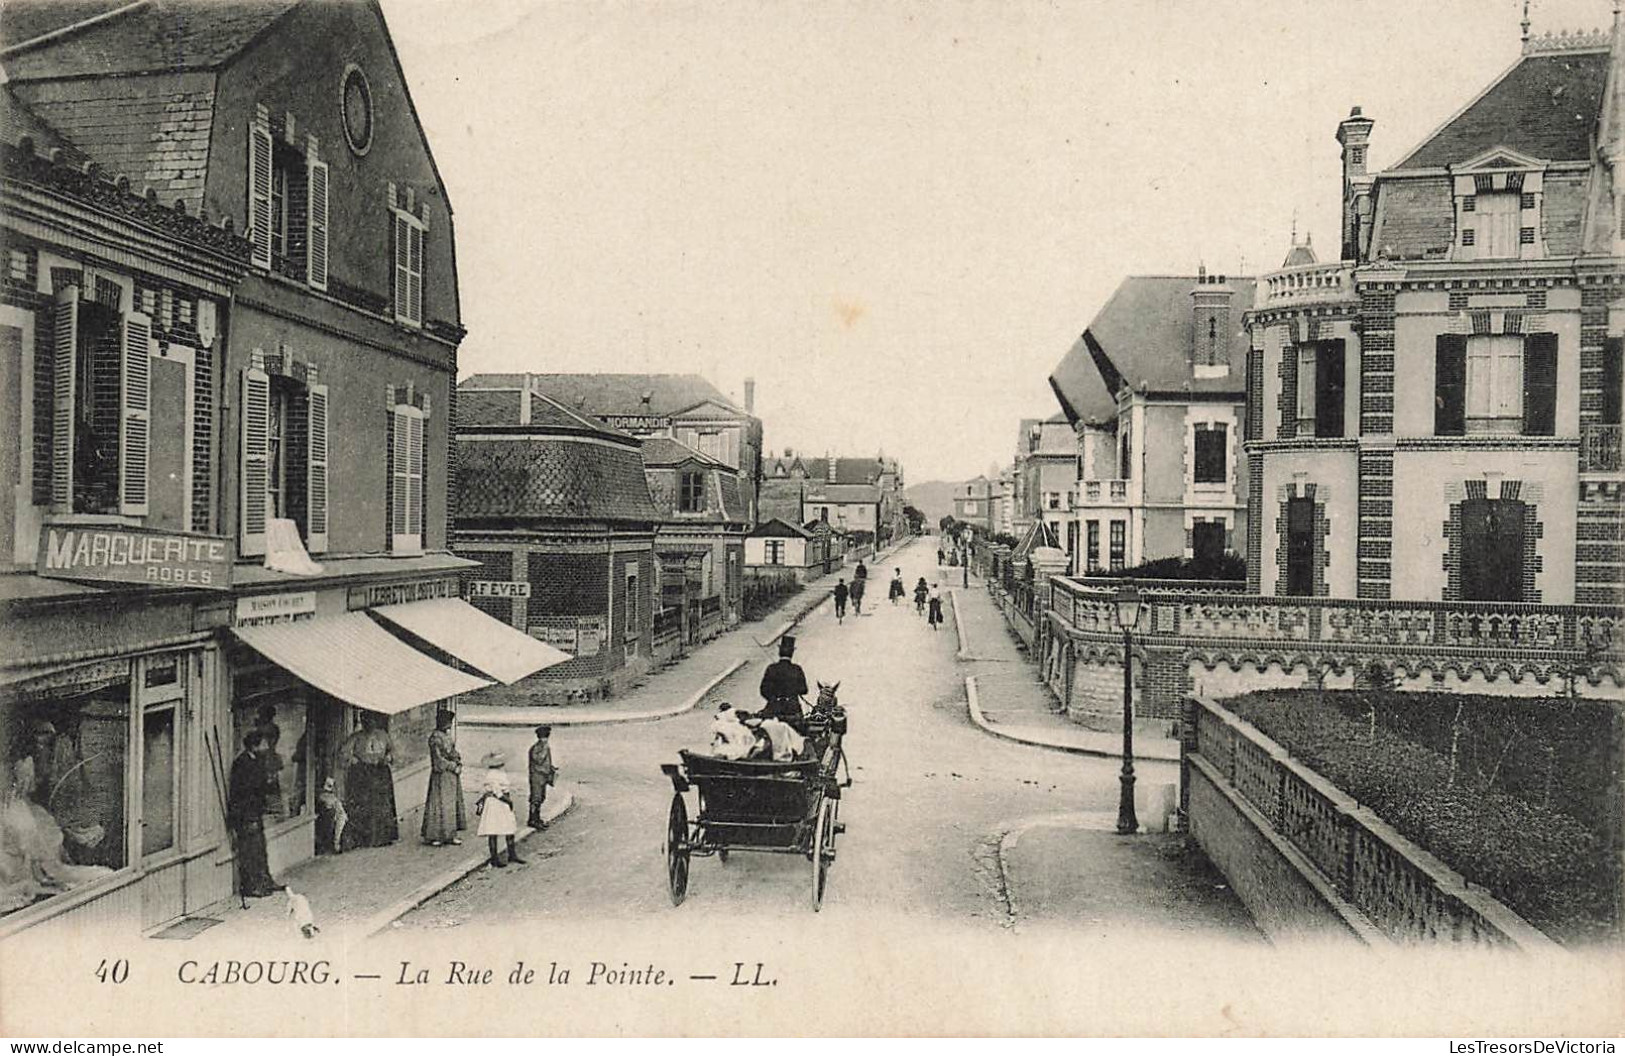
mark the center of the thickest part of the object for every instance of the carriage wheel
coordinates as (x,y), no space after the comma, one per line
(677,850)
(823,851)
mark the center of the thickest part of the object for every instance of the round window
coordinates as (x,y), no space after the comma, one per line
(357,104)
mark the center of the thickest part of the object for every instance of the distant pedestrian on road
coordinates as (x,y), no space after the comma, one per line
(921,592)
(896,590)
(935,615)
(495,808)
(840,600)
(444,815)
(543,774)
(940,555)
(857,595)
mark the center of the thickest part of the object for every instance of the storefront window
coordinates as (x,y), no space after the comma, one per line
(303,731)
(64,820)
(158,775)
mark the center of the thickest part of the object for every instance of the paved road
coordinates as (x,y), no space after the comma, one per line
(934,797)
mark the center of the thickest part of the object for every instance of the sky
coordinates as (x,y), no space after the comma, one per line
(897,217)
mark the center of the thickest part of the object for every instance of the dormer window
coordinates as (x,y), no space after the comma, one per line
(1498,212)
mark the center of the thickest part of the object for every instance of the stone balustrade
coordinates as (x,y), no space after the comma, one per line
(1304,284)
(1376,880)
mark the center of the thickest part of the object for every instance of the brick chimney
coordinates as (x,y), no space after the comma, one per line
(1210,324)
(750,395)
(833,465)
(1354,136)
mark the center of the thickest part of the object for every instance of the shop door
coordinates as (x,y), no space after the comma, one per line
(162,683)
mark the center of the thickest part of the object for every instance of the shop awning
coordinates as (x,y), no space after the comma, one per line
(484,643)
(352,658)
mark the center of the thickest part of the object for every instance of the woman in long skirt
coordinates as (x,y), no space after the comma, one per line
(495,808)
(443,813)
(369,785)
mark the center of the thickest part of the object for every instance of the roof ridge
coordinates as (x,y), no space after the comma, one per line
(72,28)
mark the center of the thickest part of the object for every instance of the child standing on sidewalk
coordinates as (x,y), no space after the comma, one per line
(543,773)
(495,808)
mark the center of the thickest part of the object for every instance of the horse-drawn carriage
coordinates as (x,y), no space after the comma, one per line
(778,807)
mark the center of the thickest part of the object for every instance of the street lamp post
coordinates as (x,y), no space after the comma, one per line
(1128,614)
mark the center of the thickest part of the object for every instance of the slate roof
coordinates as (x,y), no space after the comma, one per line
(1144,336)
(500,407)
(664,451)
(1546,106)
(160,35)
(844,493)
(616,394)
(778,528)
(550,477)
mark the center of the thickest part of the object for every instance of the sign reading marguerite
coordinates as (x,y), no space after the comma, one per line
(116,554)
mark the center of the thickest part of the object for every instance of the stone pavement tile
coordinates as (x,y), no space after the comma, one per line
(1075,875)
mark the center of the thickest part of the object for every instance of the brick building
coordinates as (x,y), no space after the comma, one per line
(857,494)
(1154,391)
(1435,416)
(699,538)
(555,507)
(302,375)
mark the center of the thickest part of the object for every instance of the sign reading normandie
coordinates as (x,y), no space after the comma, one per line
(116,554)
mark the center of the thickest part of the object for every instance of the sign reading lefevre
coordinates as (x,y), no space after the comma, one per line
(116,554)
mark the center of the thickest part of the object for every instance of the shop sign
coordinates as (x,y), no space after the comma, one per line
(558,637)
(117,554)
(275,608)
(490,588)
(636,421)
(400,593)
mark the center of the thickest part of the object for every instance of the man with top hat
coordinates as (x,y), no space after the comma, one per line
(784,684)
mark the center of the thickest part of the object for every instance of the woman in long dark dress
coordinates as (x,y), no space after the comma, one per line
(444,815)
(369,786)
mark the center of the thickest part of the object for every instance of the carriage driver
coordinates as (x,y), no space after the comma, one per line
(784,684)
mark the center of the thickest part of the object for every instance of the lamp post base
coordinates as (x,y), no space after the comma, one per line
(1127,823)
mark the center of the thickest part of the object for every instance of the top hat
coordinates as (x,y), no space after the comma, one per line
(787,645)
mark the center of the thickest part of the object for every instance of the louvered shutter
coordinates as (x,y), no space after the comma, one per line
(414,480)
(399,444)
(1540,385)
(403,279)
(64,368)
(135,413)
(316,469)
(259,193)
(415,272)
(256,461)
(316,225)
(1450,385)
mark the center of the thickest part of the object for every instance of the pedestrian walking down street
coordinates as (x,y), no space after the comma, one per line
(495,808)
(857,595)
(940,557)
(840,600)
(935,616)
(896,590)
(543,774)
(921,592)
(245,813)
(444,814)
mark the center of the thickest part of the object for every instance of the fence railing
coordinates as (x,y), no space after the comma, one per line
(1398,886)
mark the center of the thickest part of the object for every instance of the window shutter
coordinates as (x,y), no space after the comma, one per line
(406,480)
(1308,361)
(135,413)
(415,272)
(1329,367)
(414,480)
(1540,385)
(65,363)
(256,461)
(1450,385)
(403,281)
(316,469)
(259,193)
(316,225)
(397,477)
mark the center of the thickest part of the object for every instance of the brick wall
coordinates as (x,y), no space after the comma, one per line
(1376,360)
(1376,521)
(1599,576)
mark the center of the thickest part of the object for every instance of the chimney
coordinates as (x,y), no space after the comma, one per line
(648,398)
(1354,136)
(750,395)
(1210,321)
(833,466)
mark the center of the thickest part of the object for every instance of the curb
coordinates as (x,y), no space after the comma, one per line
(385,918)
(959,627)
(973,700)
(529,717)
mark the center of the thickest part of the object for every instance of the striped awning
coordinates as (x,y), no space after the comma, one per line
(484,643)
(354,659)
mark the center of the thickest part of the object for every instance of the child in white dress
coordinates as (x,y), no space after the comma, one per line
(495,808)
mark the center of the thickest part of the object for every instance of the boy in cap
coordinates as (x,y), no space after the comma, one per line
(542,774)
(784,684)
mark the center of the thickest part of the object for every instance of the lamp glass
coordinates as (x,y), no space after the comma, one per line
(1128,605)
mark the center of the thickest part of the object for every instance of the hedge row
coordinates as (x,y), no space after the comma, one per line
(1543,863)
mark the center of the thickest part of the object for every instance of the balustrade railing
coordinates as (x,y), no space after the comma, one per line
(1399,887)
(1303,284)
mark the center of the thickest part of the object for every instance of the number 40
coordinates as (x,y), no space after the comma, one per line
(116,972)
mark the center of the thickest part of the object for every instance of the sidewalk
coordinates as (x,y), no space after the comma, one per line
(1007,698)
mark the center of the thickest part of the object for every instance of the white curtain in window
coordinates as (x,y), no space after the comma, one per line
(1495,376)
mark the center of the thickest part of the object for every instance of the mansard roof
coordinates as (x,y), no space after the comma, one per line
(618,394)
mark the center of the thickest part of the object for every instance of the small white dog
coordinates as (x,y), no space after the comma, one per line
(299,910)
